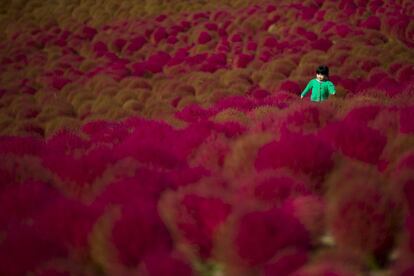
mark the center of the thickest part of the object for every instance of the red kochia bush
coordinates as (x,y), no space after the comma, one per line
(65,142)
(188,139)
(149,144)
(21,201)
(237,102)
(337,268)
(66,222)
(159,34)
(362,213)
(157,61)
(193,113)
(230,129)
(290,86)
(301,153)
(136,44)
(363,114)
(372,22)
(242,60)
(322,44)
(139,232)
(100,48)
(21,145)
(409,225)
(198,218)
(79,172)
(406,121)
(286,263)
(406,161)
(185,176)
(278,188)
(260,235)
(145,185)
(164,263)
(355,140)
(24,249)
(308,118)
(204,38)
(106,132)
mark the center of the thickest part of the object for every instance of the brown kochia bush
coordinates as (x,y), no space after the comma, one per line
(59,123)
(243,151)
(231,115)
(55,108)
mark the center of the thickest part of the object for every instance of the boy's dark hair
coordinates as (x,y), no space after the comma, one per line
(323,70)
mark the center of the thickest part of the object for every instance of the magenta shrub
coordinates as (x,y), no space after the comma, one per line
(290,86)
(278,189)
(198,219)
(242,60)
(159,34)
(105,132)
(185,176)
(262,234)
(37,250)
(136,44)
(66,223)
(20,202)
(139,232)
(322,44)
(300,153)
(230,129)
(355,140)
(286,263)
(21,146)
(362,217)
(237,102)
(165,263)
(79,171)
(406,123)
(193,113)
(169,138)
(204,38)
(372,22)
(363,114)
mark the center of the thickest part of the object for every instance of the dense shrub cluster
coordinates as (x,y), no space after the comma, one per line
(169,138)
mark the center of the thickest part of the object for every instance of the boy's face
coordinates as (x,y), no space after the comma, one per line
(320,77)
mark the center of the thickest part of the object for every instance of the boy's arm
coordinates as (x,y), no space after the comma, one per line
(306,90)
(331,88)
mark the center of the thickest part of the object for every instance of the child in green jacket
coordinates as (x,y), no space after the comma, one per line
(321,86)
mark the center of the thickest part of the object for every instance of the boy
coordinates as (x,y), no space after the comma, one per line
(321,86)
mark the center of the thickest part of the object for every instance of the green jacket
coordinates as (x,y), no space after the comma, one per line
(320,90)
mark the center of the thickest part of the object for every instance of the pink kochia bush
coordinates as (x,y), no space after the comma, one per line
(279,188)
(79,172)
(195,220)
(21,201)
(20,145)
(138,231)
(355,140)
(148,144)
(305,154)
(162,138)
(286,262)
(59,227)
(166,263)
(37,250)
(406,122)
(259,235)
(362,213)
